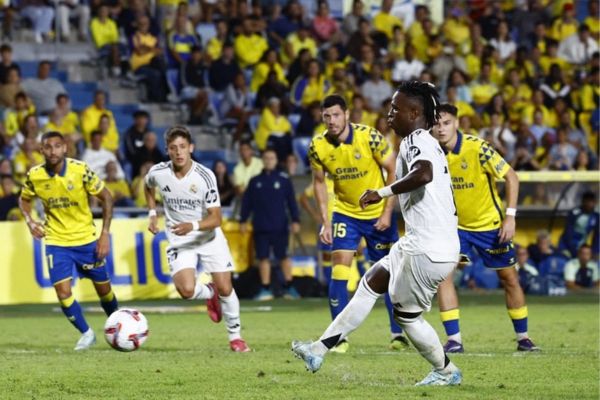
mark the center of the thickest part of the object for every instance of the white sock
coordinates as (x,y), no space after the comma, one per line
(456,337)
(426,341)
(522,335)
(348,320)
(231,312)
(202,291)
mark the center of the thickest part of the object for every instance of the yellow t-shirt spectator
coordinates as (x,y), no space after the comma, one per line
(593,22)
(457,31)
(270,124)
(261,71)
(482,93)
(104,33)
(214,47)
(529,110)
(296,44)
(13,119)
(561,30)
(249,49)
(90,119)
(22,164)
(118,186)
(142,39)
(385,22)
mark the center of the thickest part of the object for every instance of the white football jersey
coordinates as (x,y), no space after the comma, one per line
(429,212)
(186,199)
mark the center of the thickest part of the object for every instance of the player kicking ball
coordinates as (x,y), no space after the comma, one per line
(193,228)
(424,256)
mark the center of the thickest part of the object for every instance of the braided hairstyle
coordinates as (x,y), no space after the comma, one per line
(427,94)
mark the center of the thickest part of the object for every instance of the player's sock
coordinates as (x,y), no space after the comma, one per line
(202,291)
(109,302)
(338,289)
(72,310)
(266,287)
(451,319)
(360,264)
(519,320)
(327,272)
(348,320)
(394,327)
(231,312)
(426,341)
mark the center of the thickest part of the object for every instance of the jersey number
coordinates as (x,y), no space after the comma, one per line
(339,230)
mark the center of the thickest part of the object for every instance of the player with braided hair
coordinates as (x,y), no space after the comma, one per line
(424,256)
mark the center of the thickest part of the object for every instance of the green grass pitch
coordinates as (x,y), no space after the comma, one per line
(187,356)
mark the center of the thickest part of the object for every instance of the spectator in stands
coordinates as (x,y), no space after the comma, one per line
(106,38)
(214,45)
(361,68)
(224,70)
(361,37)
(311,86)
(41,15)
(5,166)
(90,121)
(396,46)
(311,121)
(352,19)
(483,89)
(578,48)
(280,26)
(15,117)
(6,62)
(524,267)
(342,83)
(134,137)
(376,90)
(43,89)
(30,128)
(268,63)
(274,130)
(224,183)
(137,186)
(148,152)
(26,157)
(542,248)
(554,87)
(298,66)
(537,103)
(384,21)
(58,123)
(582,272)
(269,199)
(574,135)
(10,87)
(237,104)
(117,185)
(273,87)
(181,42)
(9,201)
(503,42)
(97,157)
(562,154)
(297,41)
(325,27)
(249,45)
(195,87)
(248,167)
(500,136)
(147,62)
(67,9)
(539,127)
(581,222)
(516,95)
(409,68)
(364,115)
(539,197)
(129,18)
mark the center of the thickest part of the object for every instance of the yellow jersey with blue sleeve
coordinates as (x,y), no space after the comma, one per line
(354,166)
(474,167)
(64,195)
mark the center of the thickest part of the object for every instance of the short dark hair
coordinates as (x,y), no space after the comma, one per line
(5,47)
(588,195)
(60,96)
(448,109)
(52,134)
(141,113)
(177,131)
(95,132)
(245,142)
(584,246)
(334,100)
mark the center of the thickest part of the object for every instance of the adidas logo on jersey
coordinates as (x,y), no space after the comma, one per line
(166,189)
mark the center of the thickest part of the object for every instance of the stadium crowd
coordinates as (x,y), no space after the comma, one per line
(524,76)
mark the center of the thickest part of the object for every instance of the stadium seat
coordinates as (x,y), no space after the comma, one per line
(300,146)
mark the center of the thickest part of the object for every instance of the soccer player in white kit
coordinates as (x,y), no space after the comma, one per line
(193,219)
(424,256)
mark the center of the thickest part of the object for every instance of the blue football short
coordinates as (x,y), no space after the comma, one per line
(494,254)
(348,231)
(264,242)
(62,259)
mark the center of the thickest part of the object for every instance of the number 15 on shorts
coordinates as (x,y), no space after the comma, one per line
(339,229)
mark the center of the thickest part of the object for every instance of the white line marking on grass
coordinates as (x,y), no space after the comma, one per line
(169,309)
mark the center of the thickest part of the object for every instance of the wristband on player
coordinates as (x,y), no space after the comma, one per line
(195,226)
(511,211)
(385,192)
(151,213)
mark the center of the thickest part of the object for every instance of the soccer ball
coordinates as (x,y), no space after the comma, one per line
(126,329)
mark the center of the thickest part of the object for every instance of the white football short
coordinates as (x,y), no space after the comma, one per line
(414,279)
(212,256)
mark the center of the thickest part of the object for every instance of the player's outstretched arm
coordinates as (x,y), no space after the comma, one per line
(103,244)
(36,228)
(150,194)
(420,175)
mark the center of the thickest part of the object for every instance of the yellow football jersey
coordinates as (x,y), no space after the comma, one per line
(354,166)
(474,167)
(65,198)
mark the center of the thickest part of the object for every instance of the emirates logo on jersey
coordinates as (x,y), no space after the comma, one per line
(193,189)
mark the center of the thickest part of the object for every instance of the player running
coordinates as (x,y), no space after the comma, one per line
(63,185)
(424,256)
(193,228)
